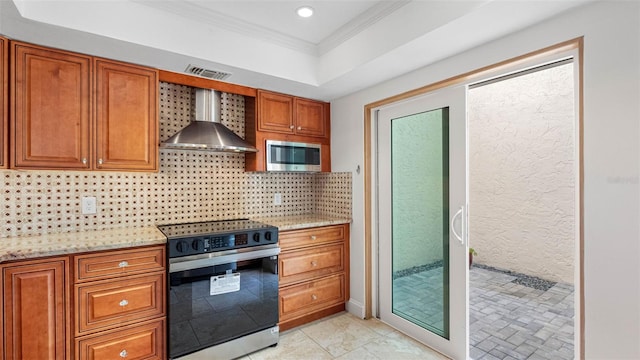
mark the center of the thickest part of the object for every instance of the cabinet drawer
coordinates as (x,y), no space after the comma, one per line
(143,341)
(299,300)
(118,302)
(118,263)
(310,263)
(311,237)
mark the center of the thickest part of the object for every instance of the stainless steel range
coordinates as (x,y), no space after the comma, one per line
(223,294)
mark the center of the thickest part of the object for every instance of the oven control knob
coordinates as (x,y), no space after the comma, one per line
(256,237)
(197,244)
(267,235)
(182,246)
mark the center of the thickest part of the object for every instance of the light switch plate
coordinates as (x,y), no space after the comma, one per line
(277,199)
(89,205)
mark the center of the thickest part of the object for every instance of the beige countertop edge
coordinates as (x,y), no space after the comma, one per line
(58,244)
(284,223)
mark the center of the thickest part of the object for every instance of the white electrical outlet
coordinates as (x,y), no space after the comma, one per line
(89,205)
(277,199)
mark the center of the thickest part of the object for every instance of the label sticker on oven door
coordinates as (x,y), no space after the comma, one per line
(222,284)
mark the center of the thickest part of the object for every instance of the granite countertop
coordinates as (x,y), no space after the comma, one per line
(302,221)
(29,247)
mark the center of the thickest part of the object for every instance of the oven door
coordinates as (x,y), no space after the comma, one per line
(218,297)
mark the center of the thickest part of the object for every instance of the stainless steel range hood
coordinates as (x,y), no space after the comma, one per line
(206,133)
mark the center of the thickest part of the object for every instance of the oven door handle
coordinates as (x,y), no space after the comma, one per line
(177,265)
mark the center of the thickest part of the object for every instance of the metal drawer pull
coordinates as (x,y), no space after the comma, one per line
(314,297)
(299,127)
(124,302)
(314,263)
(123,264)
(291,127)
(313,237)
(123,353)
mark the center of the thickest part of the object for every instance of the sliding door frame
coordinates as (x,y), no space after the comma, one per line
(571,46)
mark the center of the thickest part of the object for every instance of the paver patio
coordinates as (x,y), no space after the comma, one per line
(507,320)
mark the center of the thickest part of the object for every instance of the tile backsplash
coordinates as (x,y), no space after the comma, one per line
(190,186)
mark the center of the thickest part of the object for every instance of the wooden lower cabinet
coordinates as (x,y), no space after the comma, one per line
(313,270)
(142,341)
(36,309)
(108,304)
(120,304)
(306,298)
(119,307)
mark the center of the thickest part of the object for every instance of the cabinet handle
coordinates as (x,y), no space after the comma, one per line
(123,264)
(99,161)
(314,263)
(299,127)
(123,353)
(314,297)
(313,237)
(84,161)
(291,127)
(124,303)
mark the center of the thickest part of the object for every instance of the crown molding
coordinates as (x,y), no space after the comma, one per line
(359,24)
(191,10)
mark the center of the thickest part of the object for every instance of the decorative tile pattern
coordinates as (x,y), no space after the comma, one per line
(333,194)
(190,186)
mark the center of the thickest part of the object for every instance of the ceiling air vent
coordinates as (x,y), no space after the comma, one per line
(211,74)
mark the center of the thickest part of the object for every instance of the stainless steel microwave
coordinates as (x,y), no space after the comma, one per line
(293,156)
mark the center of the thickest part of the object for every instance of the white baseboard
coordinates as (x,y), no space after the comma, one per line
(355,308)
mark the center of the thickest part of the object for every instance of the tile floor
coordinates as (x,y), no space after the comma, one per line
(345,337)
(506,321)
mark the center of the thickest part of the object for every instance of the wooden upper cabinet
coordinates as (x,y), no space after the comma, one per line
(310,117)
(291,115)
(74,111)
(274,116)
(36,310)
(275,112)
(4,103)
(51,108)
(126,116)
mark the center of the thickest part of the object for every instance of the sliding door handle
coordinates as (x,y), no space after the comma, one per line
(453,229)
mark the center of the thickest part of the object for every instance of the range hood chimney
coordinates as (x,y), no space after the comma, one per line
(206,133)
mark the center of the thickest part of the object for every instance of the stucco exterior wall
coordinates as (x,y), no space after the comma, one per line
(521,173)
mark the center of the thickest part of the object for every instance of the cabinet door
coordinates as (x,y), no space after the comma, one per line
(51,108)
(275,112)
(4,109)
(310,263)
(36,310)
(306,298)
(292,239)
(126,116)
(107,304)
(140,341)
(310,118)
(119,263)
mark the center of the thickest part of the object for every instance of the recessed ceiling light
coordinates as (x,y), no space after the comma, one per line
(305,11)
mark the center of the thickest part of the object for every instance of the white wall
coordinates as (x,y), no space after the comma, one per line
(611,33)
(521,173)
